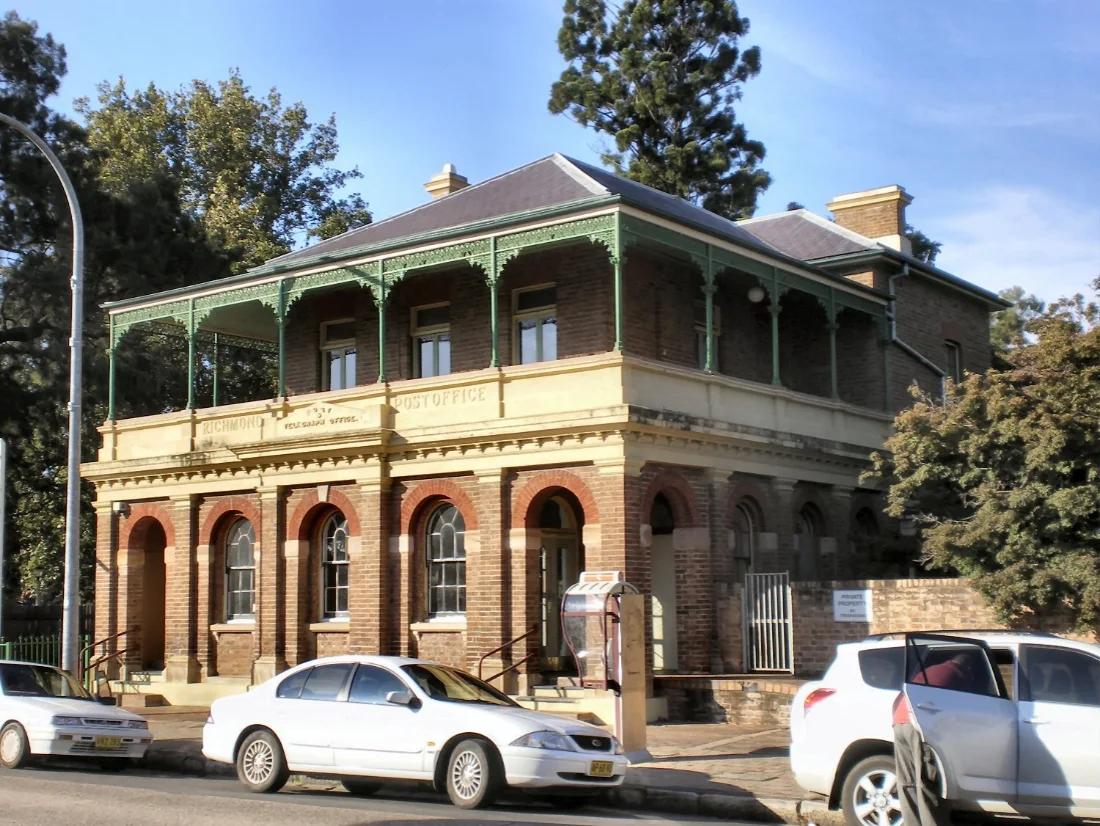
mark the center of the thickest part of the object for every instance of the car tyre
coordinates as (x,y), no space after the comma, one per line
(15,750)
(870,790)
(261,765)
(360,788)
(473,777)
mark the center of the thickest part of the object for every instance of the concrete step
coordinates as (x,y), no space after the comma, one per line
(185,694)
(141,700)
(562,691)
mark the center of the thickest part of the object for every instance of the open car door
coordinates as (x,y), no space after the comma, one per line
(964,713)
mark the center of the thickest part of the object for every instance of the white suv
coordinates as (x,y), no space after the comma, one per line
(1024,738)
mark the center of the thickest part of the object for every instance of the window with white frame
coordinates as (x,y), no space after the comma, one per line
(334,567)
(446,559)
(431,340)
(954,360)
(536,324)
(338,354)
(701,334)
(240,571)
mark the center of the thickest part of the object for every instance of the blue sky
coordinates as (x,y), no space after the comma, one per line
(987,112)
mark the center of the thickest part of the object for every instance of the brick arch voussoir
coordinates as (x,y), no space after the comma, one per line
(417,501)
(758,496)
(685,508)
(302,520)
(129,534)
(804,496)
(531,497)
(238,505)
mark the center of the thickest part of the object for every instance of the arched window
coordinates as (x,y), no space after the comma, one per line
(240,571)
(334,567)
(866,524)
(746,524)
(661,520)
(809,529)
(446,558)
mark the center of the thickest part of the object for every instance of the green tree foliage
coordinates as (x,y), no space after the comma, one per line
(147,229)
(1007,327)
(660,78)
(793,205)
(924,248)
(255,174)
(1005,477)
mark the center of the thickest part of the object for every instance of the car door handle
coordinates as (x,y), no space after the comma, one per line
(928,707)
(1035,721)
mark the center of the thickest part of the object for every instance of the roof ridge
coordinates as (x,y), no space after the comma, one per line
(820,221)
(573,170)
(410,211)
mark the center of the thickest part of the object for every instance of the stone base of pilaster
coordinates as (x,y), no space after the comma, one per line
(264,668)
(181,668)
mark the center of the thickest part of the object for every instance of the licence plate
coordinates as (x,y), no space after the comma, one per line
(600,768)
(108,742)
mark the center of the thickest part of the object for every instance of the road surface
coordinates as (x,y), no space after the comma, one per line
(59,796)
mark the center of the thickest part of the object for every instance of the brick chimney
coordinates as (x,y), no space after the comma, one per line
(877,213)
(445,183)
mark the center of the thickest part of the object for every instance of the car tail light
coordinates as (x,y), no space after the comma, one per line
(815,697)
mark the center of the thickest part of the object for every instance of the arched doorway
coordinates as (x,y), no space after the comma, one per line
(152,597)
(663,578)
(561,560)
(809,529)
(746,526)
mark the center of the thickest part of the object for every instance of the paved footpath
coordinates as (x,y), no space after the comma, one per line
(718,770)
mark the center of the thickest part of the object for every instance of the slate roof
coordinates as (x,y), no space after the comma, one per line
(550,182)
(803,235)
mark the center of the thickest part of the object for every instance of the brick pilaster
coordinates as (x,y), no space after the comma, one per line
(110,599)
(180,613)
(488,600)
(785,527)
(368,577)
(205,605)
(840,566)
(726,572)
(268,638)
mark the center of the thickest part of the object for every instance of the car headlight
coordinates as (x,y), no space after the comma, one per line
(616,746)
(60,720)
(136,724)
(546,740)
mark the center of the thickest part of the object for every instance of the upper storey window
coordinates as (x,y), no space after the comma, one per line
(954,360)
(536,324)
(338,354)
(431,326)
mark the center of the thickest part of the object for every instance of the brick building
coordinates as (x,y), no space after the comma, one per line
(551,371)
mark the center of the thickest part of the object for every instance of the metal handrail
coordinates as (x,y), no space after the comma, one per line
(91,646)
(90,669)
(514,666)
(509,644)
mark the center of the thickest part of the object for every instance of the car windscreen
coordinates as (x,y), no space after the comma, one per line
(452,686)
(19,680)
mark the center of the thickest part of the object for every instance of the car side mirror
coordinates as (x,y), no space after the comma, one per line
(404,697)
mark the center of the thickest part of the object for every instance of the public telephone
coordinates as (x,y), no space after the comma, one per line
(603,623)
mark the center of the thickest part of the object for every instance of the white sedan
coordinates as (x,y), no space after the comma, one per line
(370,719)
(46,712)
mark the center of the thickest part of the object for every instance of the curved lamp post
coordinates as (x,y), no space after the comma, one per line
(69,618)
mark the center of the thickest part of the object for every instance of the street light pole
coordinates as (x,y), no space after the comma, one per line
(69,616)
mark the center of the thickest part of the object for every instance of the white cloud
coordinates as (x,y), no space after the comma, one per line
(1002,236)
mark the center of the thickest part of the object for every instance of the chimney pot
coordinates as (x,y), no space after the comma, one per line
(446,182)
(877,213)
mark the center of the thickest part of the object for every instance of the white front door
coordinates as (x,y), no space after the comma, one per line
(1059,727)
(377,737)
(663,576)
(560,568)
(964,713)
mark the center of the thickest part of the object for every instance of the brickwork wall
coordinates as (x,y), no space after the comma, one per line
(873,220)
(861,369)
(755,703)
(804,345)
(233,654)
(659,308)
(446,648)
(745,340)
(331,644)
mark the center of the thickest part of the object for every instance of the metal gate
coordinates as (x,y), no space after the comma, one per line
(768,631)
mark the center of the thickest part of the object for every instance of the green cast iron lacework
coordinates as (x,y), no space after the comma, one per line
(175,310)
(473,252)
(365,275)
(600,230)
(206,337)
(266,294)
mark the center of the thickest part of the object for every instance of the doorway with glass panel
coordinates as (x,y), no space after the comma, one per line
(561,560)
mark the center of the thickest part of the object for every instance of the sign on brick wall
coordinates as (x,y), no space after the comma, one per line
(852,606)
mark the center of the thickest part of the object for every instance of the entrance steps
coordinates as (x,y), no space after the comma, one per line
(158,692)
(566,699)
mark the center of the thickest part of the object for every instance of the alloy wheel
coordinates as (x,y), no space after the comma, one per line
(876,799)
(466,775)
(10,746)
(259,762)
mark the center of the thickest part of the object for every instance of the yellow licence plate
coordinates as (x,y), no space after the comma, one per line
(600,768)
(108,742)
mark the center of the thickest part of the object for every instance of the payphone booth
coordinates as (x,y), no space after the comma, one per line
(603,623)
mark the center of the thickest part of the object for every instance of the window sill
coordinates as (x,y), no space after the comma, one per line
(438,627)
(331,627)
(233,627)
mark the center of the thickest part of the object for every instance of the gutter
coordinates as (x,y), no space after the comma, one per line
(891,314)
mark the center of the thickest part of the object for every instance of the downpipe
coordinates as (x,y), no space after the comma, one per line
(906,348)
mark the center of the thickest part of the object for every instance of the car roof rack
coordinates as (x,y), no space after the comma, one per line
(962,631)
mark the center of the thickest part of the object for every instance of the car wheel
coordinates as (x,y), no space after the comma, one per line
(261,765)
(871,795)
(360,788)
(114,764)
(15,751)
(472,775)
